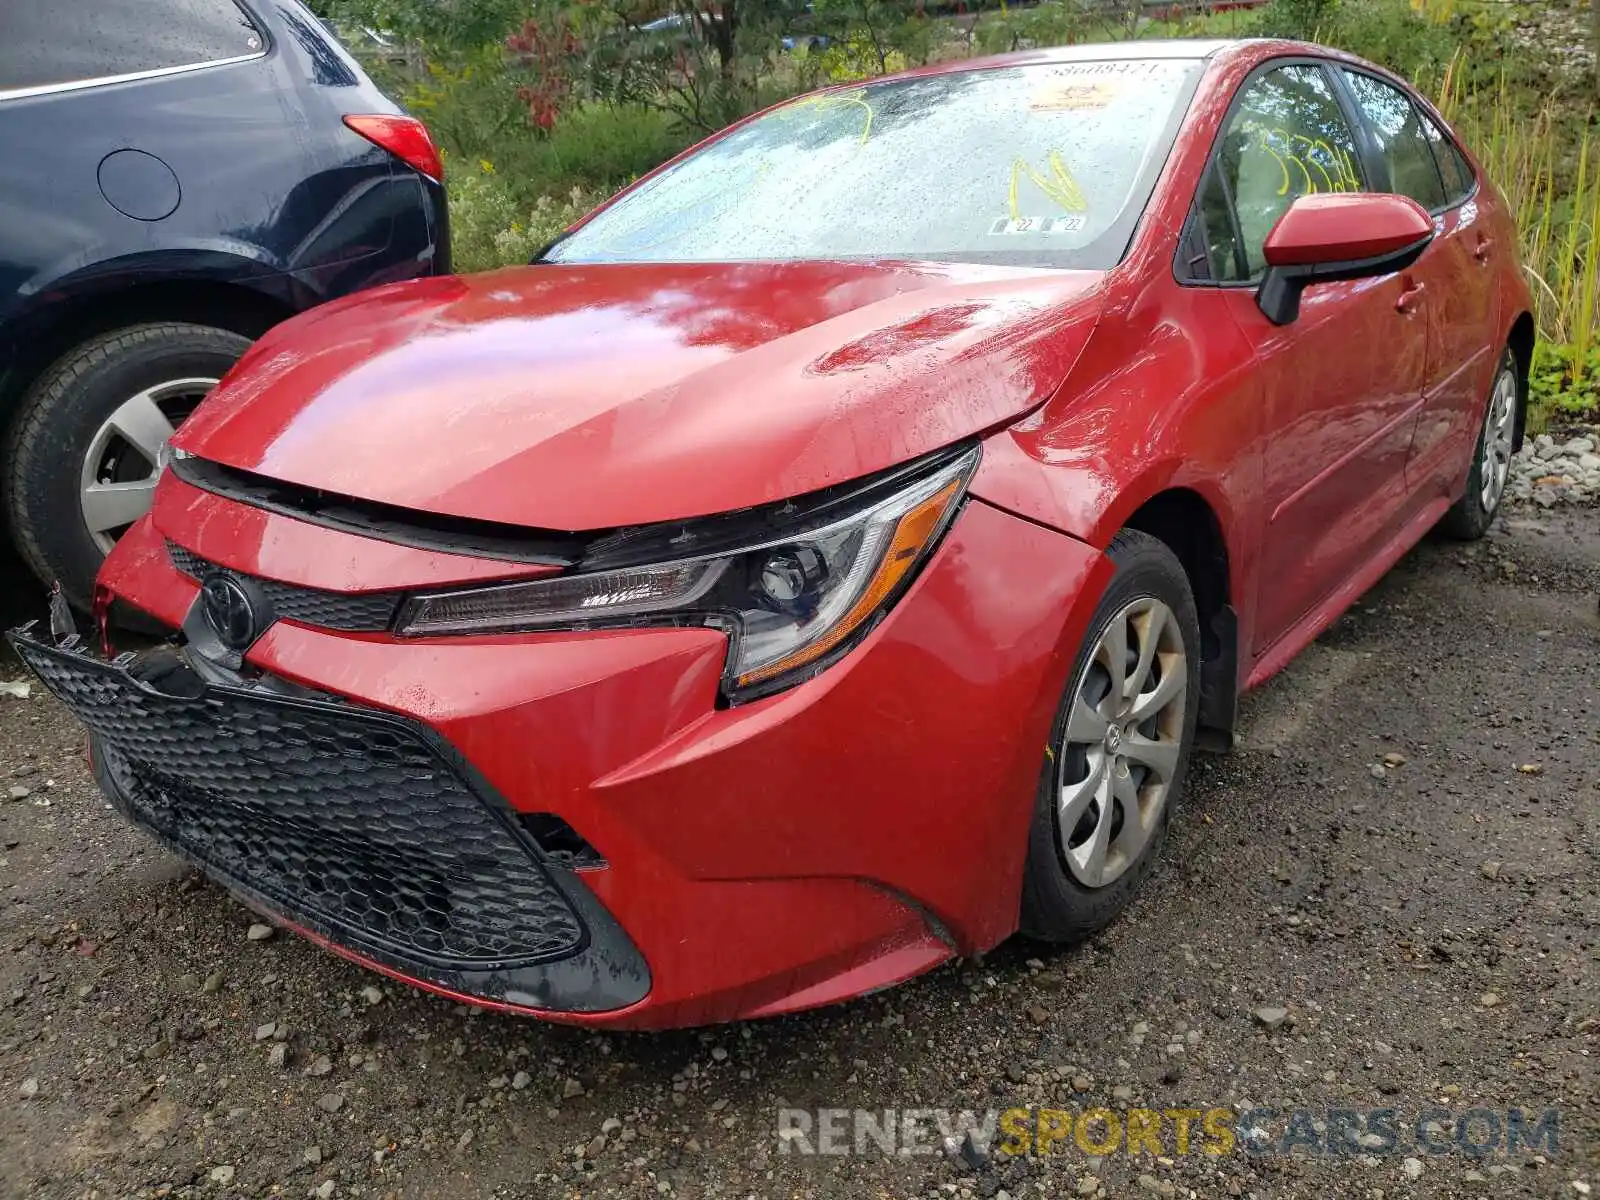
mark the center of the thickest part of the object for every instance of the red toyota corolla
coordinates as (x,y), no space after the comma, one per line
(822,561)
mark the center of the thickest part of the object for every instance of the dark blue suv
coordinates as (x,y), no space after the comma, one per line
(179,176)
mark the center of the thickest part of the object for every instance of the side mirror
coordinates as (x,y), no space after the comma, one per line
(1352,235)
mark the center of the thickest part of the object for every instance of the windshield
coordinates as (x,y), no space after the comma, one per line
(1045,165)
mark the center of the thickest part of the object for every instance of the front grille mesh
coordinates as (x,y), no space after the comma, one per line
(370,612)
(341,814)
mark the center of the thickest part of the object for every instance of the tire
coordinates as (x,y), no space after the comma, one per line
(1469,518)
(144,373)
(1063,898)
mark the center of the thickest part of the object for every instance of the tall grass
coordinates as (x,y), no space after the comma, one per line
(1548,167)
(1551,180)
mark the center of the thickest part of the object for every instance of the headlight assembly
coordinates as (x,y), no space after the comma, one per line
(793,587)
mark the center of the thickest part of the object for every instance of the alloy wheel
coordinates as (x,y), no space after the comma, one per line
(1123,742)
(1498,434)
(127,453)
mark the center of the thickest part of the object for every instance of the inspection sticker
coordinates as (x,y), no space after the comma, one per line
(1039,224)
(1066,95)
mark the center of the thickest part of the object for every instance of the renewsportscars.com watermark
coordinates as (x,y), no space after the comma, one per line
(1216,1131)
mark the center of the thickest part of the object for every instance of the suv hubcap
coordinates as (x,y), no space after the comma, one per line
(127,453)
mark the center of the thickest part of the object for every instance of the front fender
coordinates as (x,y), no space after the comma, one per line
(1161,397)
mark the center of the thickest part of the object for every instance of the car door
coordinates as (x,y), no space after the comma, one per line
(1413,157)
(1342,383)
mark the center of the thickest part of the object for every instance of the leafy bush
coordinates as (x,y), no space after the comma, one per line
(1393,35)
(591,146)
(871,37)
(439,27)
(1416,39)
(517,192)
(690,71)
(490,226)
(1309,20)
(467,100)
(1053,23)
(1563,385)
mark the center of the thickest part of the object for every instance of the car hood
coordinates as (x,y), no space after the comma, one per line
(587,397)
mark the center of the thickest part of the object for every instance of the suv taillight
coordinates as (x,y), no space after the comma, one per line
(404,137)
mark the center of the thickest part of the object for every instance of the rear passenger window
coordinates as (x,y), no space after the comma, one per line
(45,42)
(1397,127)
(1453,166)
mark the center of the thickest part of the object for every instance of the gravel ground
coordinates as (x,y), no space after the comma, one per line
(1385,898)
(1551,472)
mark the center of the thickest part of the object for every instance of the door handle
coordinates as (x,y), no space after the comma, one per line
(1484,249)
(1410,295)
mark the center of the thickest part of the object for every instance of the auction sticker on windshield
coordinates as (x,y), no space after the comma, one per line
(1071,224)
(1066,95)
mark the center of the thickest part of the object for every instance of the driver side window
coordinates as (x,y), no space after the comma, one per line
(1286,137)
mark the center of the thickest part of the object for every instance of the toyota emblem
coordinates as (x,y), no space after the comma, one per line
(229,611)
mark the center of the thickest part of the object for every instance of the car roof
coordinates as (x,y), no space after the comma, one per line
(1169,50)
(1165,48)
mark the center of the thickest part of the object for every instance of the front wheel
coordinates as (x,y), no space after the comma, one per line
(91,437)
(1469,518)
(1119,747)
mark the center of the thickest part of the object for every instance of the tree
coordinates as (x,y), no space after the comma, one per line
(703,61)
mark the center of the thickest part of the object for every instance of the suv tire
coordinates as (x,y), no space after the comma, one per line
(82,459)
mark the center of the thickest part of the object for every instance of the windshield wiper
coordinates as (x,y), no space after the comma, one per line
(539,254)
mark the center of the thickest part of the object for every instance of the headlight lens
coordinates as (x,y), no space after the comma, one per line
(788,602)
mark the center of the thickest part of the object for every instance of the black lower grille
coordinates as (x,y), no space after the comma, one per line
(347,816)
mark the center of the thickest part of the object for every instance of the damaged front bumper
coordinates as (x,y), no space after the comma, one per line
(565,823)
(358,827)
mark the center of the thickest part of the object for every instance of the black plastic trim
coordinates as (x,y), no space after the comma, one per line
(1279,297)
(353,612)
(386,522)
(605,972)
(594,550)
(1219,683)
(730,533)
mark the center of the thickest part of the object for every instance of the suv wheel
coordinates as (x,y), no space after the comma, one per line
(90,440)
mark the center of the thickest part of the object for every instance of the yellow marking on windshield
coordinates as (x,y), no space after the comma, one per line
(834,100)
(866,126)
(1060,186)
